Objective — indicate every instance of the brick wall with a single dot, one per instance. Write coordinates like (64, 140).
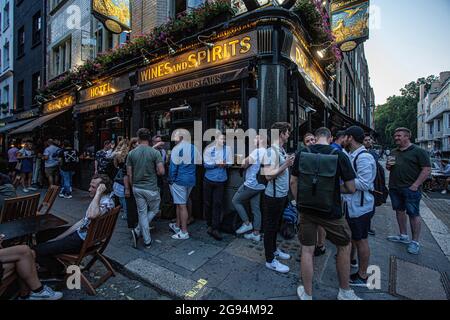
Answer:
(147, 14)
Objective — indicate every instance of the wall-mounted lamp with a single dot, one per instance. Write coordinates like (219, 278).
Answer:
(145, 55)
(171, 46)
(209, 45)
(310, 110)
(183, 107)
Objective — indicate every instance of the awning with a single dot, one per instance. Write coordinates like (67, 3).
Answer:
(13, 125)
(37, 123)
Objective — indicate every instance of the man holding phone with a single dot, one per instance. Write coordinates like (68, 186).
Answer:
(70, 239)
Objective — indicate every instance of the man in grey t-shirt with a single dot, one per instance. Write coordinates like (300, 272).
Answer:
(51, 162)
(143, 165)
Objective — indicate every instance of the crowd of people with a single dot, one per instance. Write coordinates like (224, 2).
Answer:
(335, 183)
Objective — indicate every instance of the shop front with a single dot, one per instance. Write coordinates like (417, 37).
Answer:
(247, 77)
(102, 113)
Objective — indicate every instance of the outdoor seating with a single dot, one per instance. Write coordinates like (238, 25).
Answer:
(19, 208)
(49, 200)
(98, 236)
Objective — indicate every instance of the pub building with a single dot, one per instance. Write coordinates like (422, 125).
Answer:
(101, 114)
(252, 71)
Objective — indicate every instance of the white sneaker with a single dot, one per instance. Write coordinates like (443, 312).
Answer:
(281, 255)
(61, 195)
(252, 236)
(245, 228)
(402, 238)
(46, 294)
(174, 228)
(32, 188)
(444, 192)
(347, 295)
(26, 190)
(277, 266)
(181, 236)
(301, 293)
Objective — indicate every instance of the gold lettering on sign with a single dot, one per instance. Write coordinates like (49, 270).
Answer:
(100, 90)
(220, 52)
(59, 104)
(306, 64)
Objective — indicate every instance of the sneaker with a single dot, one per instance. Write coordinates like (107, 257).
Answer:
(413, 247)
(319, 251)
(301, 293)
(400, 238)
(148, 245)
(252, 236)
(46, 294)
(354, 263)
(281, 255)
(61, 195)
(357, 281)
(174, 228)
(371, 232)
(347, 295)
(277, 266)
(444, 192)
(26, 190)
(32, 188)
(181, 236)
(244, 228)
(69, 196)
(134, 237)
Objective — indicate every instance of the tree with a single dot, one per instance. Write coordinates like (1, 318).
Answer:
(400, 111)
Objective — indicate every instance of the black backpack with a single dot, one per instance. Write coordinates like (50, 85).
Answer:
(316, 181)
(380, 192)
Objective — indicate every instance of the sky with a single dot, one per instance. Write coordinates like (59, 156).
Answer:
(409, 39)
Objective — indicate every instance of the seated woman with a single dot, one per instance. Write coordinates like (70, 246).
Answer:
(69, 240)
(20, 259)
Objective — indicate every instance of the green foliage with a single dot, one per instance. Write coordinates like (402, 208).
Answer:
(400, 111)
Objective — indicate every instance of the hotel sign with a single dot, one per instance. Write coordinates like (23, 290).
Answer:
(350, 23)
(306, 66)
(64, 102)
(236, 48)
(105, 88)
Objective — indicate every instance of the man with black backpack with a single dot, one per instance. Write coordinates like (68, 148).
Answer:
(359, 206)
(69, 161)
(315, 185)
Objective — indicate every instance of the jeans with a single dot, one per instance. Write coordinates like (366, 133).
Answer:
(212, 202)
(404, 199)
(147, 203)
(66, 177)
(46, 251)
(273, 212)
(119, 191)
(242, 196)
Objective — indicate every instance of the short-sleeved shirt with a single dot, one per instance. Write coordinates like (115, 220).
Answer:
(103, 159)
(106, 204)
(143, 161)
(12, 154)
(277, 156)
(408, 165)
(344, 172)
(52, 153)
(251, 180)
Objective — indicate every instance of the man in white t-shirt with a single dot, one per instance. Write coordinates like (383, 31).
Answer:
(250, 191)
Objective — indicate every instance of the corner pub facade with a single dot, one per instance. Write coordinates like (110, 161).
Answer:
(252, 71)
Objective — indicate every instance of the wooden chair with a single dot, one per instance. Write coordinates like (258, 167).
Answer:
(98, 236)
(49, 200)
(19, 208)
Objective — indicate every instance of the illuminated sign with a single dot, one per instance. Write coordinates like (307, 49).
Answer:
(114, 14)
(221, 52)
(59, 104)
(350, 23)
(105, 88)
(306, 66)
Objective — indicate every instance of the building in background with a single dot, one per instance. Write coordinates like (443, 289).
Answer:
(433, 116)
(6, 61)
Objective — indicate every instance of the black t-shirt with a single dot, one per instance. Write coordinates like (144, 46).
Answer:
(344, 172)
(69, 158)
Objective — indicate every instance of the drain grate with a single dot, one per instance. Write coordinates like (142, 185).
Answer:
(412, 281)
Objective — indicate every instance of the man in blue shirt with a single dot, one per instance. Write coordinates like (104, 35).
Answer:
(217, 157)
(338, 140)
(182, 180)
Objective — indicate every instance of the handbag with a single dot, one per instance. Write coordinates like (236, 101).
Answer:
(19, 165)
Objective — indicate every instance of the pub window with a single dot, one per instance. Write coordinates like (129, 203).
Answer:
(36, 84)
(6, 95)
(225, 115)
(20, 95)
(6, 16)
(37, 26)
(6, 55)
(21, 42)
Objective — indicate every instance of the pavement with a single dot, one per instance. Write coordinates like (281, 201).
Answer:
(202, 268)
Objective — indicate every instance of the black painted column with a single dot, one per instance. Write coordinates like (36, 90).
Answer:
(135, 117)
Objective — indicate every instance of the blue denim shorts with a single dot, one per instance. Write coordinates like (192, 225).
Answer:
(406, 200)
